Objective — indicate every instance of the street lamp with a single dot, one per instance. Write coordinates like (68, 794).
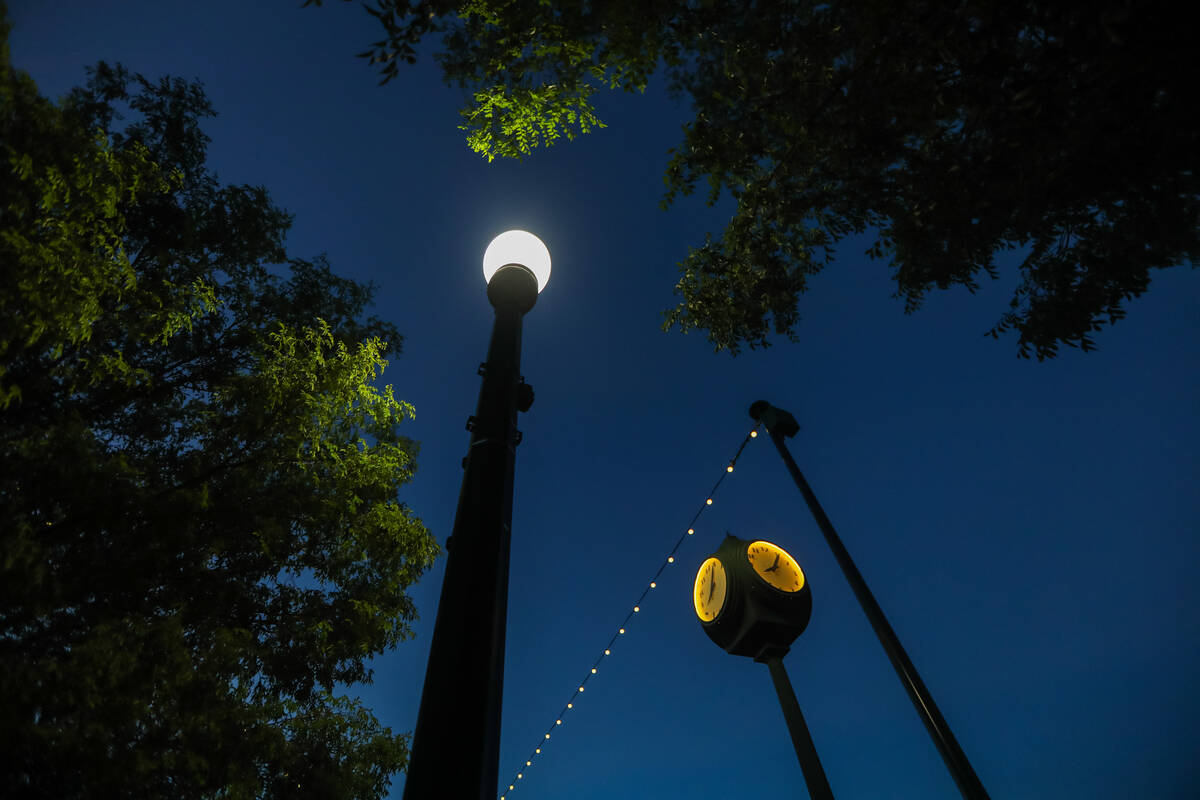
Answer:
(456, 744)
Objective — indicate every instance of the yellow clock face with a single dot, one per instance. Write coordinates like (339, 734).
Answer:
(709, 593)
(775, 566)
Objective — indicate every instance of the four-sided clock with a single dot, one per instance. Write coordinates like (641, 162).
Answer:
(752, 598)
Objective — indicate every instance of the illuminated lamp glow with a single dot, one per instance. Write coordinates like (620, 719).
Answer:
(518, 247)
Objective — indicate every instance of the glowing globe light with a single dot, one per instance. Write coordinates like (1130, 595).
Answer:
(517, 247)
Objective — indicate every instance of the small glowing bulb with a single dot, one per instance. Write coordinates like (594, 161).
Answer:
(547, 736)
(653, 584)
(670, 559)
(753, 434)
(607, 652)
(729, 468)
(580, 689)
(510, 787)
(519, 776)
(538, 750)
(570, 705)
(593, 670)
(622, 630)
(558, 722)
(708, 502)
(636, 609)
(529, 763)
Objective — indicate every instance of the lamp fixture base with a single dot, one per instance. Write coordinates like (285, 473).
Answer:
(513, 288)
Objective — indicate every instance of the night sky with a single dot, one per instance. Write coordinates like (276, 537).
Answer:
(1030, 529)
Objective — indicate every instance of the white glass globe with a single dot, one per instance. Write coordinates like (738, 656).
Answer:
(518, 247)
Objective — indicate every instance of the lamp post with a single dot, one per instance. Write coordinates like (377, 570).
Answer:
(456, 744)
(779, 424)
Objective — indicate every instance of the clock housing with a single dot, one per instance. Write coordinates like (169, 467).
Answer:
(760, 616)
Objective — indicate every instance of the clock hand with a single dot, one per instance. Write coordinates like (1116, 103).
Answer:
(774, 566)
(712, 585)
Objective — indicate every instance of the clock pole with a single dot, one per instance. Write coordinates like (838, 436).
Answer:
(752, 609)
(779, 424)
(456, 743)
(806, 751)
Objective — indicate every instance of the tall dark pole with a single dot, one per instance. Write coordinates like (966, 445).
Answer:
(456, 745)
(806, 751)
(779, 424)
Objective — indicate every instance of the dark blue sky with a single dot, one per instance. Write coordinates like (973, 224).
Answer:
(1031, 529)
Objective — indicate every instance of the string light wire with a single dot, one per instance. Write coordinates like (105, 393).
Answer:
(531, 760)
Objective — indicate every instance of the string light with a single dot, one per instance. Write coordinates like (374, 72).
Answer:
(691, 530)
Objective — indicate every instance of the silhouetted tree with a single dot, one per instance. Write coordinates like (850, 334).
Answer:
(950, 131)
(200, 530)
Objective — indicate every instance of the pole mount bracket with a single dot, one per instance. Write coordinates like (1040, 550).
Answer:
(778, 421)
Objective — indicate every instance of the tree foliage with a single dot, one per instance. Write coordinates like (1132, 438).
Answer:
(950, 132)
(201, 537)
